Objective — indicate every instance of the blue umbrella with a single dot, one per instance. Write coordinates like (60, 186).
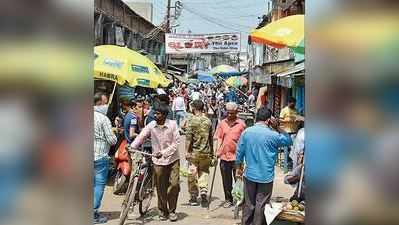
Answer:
(230, 74)
(205, 77)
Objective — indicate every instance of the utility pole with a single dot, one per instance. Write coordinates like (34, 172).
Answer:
(167, 31)
(168, 17)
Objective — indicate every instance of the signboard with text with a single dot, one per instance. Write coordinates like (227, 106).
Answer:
(202, 43)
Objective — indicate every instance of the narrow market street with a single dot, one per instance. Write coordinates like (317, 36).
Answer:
(195, 215)
(185, 90)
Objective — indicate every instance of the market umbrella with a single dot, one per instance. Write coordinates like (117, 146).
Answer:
(237, 81)
(205, 77)
(225, 71)
(193, 81)
(126, 66)
(286, 32)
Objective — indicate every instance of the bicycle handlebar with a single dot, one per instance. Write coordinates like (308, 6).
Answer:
(138, 151)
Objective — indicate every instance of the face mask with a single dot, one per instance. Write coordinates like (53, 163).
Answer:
(101, 109)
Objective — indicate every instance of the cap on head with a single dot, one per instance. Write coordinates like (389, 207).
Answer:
(231, 106)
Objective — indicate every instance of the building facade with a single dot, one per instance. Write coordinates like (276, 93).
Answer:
(143, 7)
(117, 24)
(269, 63)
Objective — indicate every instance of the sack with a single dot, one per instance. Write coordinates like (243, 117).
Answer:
(184, 168)
(238, 191)
(122, 154)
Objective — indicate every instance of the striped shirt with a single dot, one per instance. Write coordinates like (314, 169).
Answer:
(103, 135)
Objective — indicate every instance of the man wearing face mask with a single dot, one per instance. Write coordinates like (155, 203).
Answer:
(101, 103)
(258, 147)
(103, 139)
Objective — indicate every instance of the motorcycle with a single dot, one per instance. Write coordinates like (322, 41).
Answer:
(123, 169)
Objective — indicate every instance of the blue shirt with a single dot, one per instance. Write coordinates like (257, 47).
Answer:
(129, 121)
(258, 147)
(231, 96)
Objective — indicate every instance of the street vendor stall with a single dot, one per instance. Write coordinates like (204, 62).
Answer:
(282, 212)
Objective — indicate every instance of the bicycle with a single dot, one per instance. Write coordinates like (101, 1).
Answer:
(141, 182)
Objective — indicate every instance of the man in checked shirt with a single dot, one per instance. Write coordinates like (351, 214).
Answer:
(103, 139)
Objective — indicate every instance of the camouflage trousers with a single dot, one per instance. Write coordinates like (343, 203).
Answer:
(198, 175)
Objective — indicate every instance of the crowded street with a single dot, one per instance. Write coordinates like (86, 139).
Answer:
(199, 112)
(187, 214)
(199, 126)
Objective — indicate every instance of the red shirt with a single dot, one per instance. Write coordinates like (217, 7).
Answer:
(229, 137)
(184, 93)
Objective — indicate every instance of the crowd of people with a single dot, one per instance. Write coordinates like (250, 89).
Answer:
(207, 115)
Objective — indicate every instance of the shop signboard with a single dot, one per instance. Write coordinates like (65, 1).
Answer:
(203, 43)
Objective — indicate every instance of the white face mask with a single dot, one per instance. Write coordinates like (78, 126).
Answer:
(101, 109)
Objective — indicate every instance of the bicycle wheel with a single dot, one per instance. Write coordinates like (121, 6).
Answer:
(146, 192)
(128, 201)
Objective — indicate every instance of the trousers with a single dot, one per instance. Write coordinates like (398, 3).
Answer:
(256, 195)
(101, 167)
(167, 181)
(228, 172)
(179, 116)
(198, 179)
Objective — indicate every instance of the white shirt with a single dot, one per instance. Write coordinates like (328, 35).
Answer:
(160, 91)
(251, 99)
(299, 144)
(195, 95)
(220, 96)
(179, 104)
(103, 135)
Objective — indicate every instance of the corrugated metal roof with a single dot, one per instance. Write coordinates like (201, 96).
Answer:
(297, 68)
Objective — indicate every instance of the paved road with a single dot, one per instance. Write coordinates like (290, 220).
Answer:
(187, 214)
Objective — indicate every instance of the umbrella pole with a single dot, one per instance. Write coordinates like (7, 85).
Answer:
(112, 94)
(301, 178)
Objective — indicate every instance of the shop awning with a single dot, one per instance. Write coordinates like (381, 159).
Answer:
(296, 69)
(178, 75)
(182, 79)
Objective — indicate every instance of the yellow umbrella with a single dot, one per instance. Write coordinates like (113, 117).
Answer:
(124, 65)
(286, 32)
(236, 81)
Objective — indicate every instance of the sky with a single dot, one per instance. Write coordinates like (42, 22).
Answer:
(215, 16)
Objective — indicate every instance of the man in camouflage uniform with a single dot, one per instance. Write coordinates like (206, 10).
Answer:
(199, 152)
